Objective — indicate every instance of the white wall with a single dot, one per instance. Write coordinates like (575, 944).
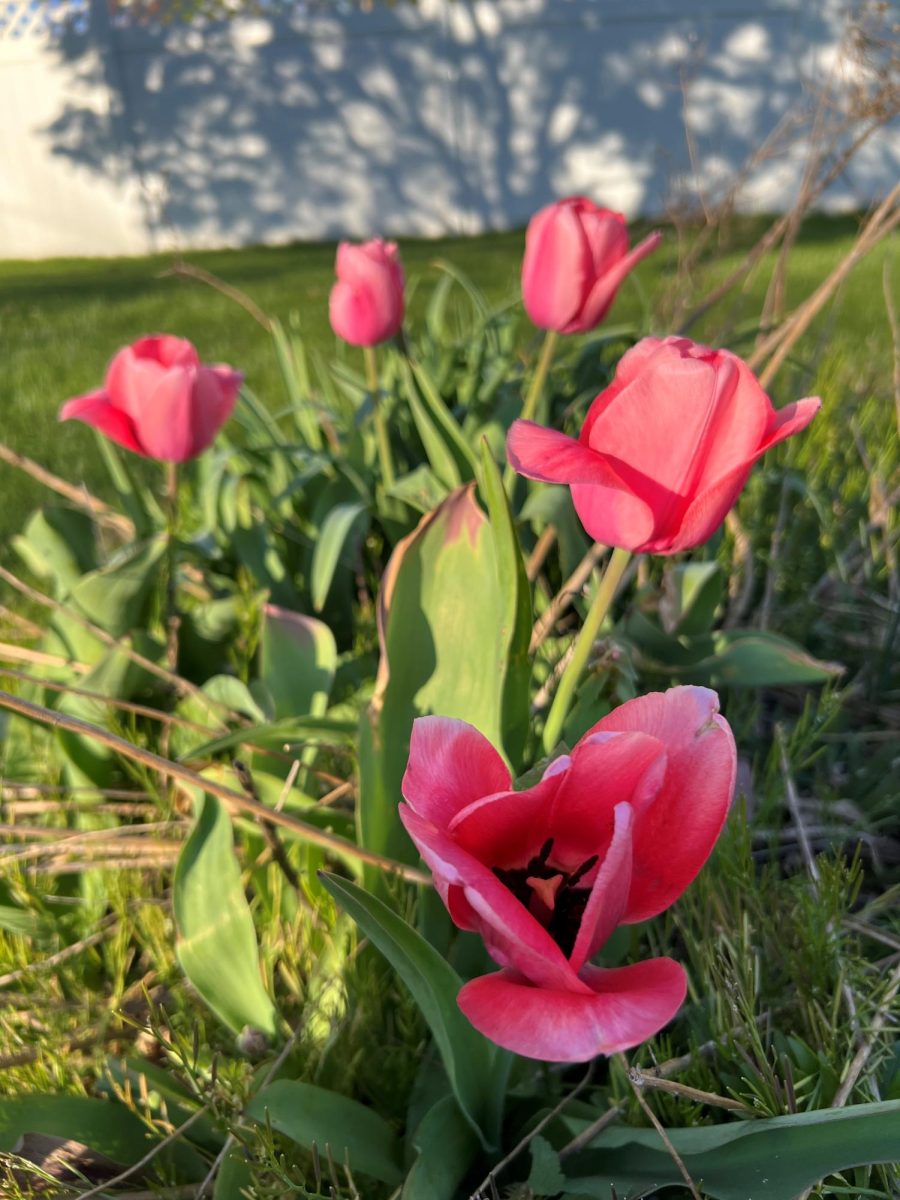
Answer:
(452, 116)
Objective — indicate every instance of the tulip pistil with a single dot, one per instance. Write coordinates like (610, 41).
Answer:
(551, 895)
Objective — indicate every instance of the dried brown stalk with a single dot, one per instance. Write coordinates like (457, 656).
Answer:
(566, 594)
(236, 801)
(181, 685)
(79, 496)
(655, 1122)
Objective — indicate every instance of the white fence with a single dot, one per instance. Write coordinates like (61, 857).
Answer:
(314, 121)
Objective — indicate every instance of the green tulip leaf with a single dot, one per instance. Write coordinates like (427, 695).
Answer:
(691, 594)
(312, 1116)
(445, 1146)
(58, 544)
(216, 943)
(104, 1125)
(447, 629)
(337, 540)
(751, 658)
(300, 730)
(775, 1159)
(468, 1058)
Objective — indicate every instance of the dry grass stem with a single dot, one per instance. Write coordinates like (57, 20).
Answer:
(79, 496)
(236, 801)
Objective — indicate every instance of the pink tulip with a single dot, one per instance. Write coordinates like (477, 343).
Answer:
(665, 449)
(576, 256)
(612, 834)
(366, 305)
(159, 400)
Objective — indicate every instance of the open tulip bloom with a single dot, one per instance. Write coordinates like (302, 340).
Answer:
(611, 835)
(159, 400)
(665, 449)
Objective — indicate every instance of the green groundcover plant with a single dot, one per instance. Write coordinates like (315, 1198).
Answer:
(476, 607)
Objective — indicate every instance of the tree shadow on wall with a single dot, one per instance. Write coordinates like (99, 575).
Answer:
(395, 121)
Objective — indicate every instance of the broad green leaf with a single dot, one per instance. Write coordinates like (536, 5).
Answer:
(420, 489)
(775, 1159)
(118, 677)
(234, 1180)
(445, 646)
(467, 458)
(468, 1058)
(104, 1125)
(23, 923)
(312, 1116)
(445, 1147)
(164, 1097)
(297, 661)
(760, 659)
(292, 362)
(691, 594)
(439, 455)
(234, 694)
(117, 596)
(136, 497)
(339, 537)
(292, 730)
(58, 544)
(216, 944)
(546, 1177)
(515, 595)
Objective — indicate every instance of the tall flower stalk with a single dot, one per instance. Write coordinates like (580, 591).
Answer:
(600, 606)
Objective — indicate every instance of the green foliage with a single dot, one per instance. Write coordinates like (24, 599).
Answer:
(426, 606)
(472, 1063)
(216, 939)
(772, 1159)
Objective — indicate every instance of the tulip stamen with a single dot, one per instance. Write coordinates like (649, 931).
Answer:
(551, 895)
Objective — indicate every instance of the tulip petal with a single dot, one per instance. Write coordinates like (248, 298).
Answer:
(609, 892)
(602, 294)
(609, 511)
(450, 766)
(166, 350)
(556, 267)
(355, 316)
(607, 235)
(625, 1006)
(131, 378)
(507, 828)
(790, 420)
(709, 509)
(704, 514)
(552, 457)
(166, 422)
(513, 937)
(674, 834)
(96, 410)
(606, 771)
(214, 397)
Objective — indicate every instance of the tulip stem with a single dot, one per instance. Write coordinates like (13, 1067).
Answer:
(536, 388)
(172, 619)
(381, 434)
(540, 375)
(600, 606)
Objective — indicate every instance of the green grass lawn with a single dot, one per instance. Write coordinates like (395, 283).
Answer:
(61, 320)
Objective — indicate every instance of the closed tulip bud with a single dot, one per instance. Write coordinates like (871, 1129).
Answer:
(665, 449)
(366, 304)
(576, 256)
(159, 400)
